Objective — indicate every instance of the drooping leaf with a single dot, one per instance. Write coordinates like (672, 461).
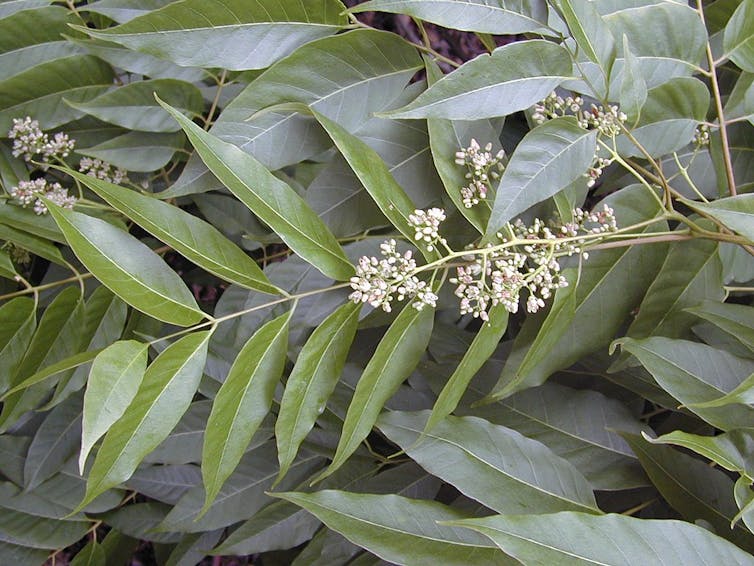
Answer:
(271, 199)
(738, 40)
(197, 240)
(39, 532)
(633, 87)
(17, 324)
(133, 106)
(91, 555)
(137, 151)
(735, 319)
(394, 359)
(9, 7)
(164, 395)
(570, 538)
(32, 243)
(128, 268)
(114, 379)
(165, 483)
(496, 17)
(468, 453)
(124, 10)
(65, 364)
(513, 78)
(230, 34)
(696, 373)
(737, 212)
(242, 402)
(693, 488)
(547, 160)
(312, 380)
(395, 527)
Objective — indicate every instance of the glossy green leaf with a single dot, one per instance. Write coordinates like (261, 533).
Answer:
(133, 106)
(17, 325)
(693, 488)
(242, 402)
(735, 319)
(493, 464)
(496, 17)
(373, 173)
(738, 40)
(8, 7)
(128, 268)
(592, 36)
(692, 273)
(313, 379)
(40, 91)
(271, 199)
(114, 379)
(696, 373)
(732, 450)
(393, 361)
(482, 347)
(570, 538)
(547, 160)
(32, 243)
(7, 269)
(54, 369)
(38, 532)
(513, 78)
(137, 151)
(395, 527)
(25, 219)
(365, 64)
(230, 34)
(164, 395)
(743, 393)
(165, 483)
(124, 10)
(633, 87)
(192, 237)
(737, 212)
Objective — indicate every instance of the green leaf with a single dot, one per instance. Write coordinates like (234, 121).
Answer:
(164, 395)
(548, 159)
(591, 33)
(696, 373)
(577, 425)
(7, 269)
(743, 393)
(40, 91)
(124, 10)
(393, 361)
(577, 538)
(732, 450)
(469, 454)
(513, 78)
(313, 379)
(395, 527)
(696, 490)
(133, 106)
(496, 17)
(736, 212)
(32, 243)
(38, 532)
(9, 7)
(17, 325)
(91, 555)
(271, 199)
(692, 272)
(230, 34)
(128, 268)
(53, 369)
(738, 40)
(373, 173)
(114, 379)
(633, 87)
(735, 319)
(192, 237)
(137, 151)
(242, 402)
(482, 347)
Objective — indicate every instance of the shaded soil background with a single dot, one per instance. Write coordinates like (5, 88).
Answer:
(456, 45)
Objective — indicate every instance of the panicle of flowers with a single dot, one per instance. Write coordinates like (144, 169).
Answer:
(103, 170)
(381, 281)
(426, 226)
(498, 274)
(597, 167)
(701, 136)
(607, 120)
(29, 192)
(18, 255)
(29, 140)
(555, 105)
(482, 168)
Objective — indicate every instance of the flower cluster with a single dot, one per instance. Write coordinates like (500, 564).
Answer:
(29, 140)
(607, 120)
(701, 136)
(498, 274)
(595, 170)
(103, 170)
(18, 255)
(426, 225)
(28, 192)
(381, 281)
(482, 167)
(554, 106)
